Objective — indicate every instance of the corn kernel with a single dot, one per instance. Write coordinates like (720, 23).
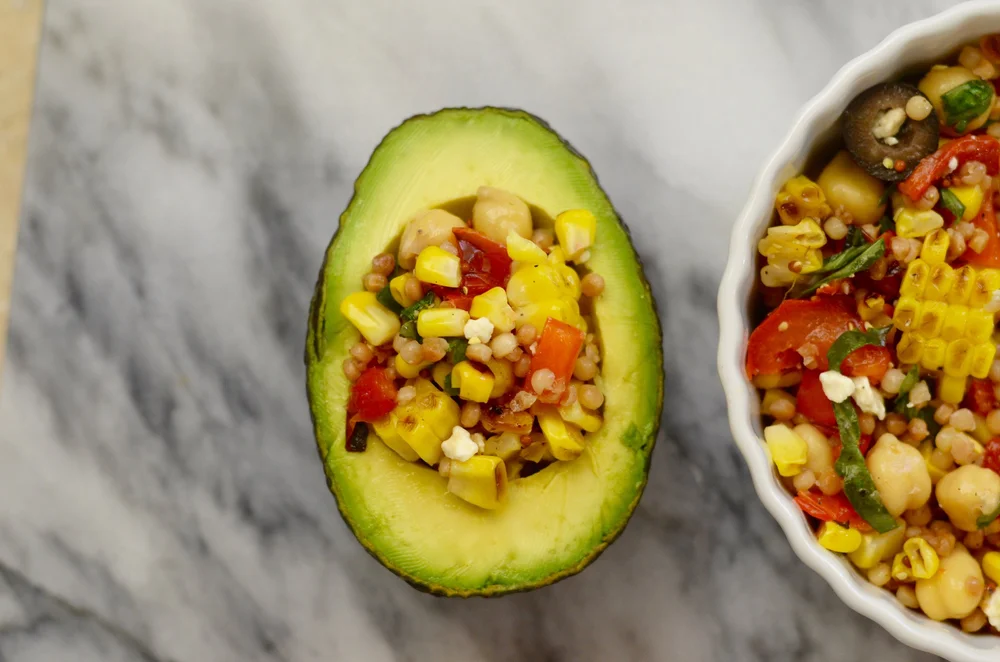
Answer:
(991, 566)
(982, 359)
(915, 280)
(397, 288)
(788, 450)
(503, 376)
(571, 281)
(924, 561)
(926, 448)
(979, 327)
(481, 480)
(958, 358)
(935, 248)
(582, 418)
(913, 223)
(933, 355)
(971, 197)
(385, 428)
(951, 389)
(954, 322)
(493, 305)
(438, 410)
(416, 432)
(534, 284)
(987, 281)
(900, 571)
(439, 267)
(564, 439)
(407, 371)
(442, 322)
(794, 239)
(524, 250)
(801, 198)
(439, 372)
(376, 323)
(965, 282)
(472, 384)
(576, 230)
(910, 348)
(939, 282)
(837, 538)
(564, 310)
(907, 311)
(877, 547)
(931, 318)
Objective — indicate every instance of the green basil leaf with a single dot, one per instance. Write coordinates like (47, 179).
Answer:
(841, 259)
(859, 488)
(966, 102)
(409, 330)
(903, 399)
(448, 388)
(886, 224)
(951, 202)
(456, 349)
(852, 340)
(986, 519)
(863, 259)
(855, 237)
(384, 297)
(409, 314)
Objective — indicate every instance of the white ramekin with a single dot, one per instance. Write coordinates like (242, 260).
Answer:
(918, 44)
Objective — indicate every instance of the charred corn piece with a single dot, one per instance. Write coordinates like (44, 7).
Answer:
(931, 318)
(987, 282)
(801, 198)
(481, 480)
(971, 197)
(788, 450)
(954, 322)
(582, 418)
(438, 267)
(576, 230)
(417, 433)
(926, 448)
(376, 323)
(965, 282)
(438, 410)
(524, 250)
(564, 439)
(951, 389)
(442, 322)
(910, 348)
(564, 310)
(493, 305)
(958, 358)
(876, 547)
(932, 357)
(935, 248)
(914, 223)
(837, 538)
(924, 561)
(916, 277)
(397, 288)
(385, 428)
(472, 384)
(906, 314)
(503, 377)
(901, 572)
(982, 359)
(505, 445)
(407, 371)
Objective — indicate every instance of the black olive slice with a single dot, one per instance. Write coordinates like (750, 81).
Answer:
(911, 143)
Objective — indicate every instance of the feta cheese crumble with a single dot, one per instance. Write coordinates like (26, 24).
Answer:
(836, 387)
(867, 398)
(480, 330)
(459, 446)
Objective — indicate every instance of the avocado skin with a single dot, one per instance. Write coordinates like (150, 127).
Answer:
(314, 350)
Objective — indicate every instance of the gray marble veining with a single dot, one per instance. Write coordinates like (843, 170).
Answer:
(160, 495)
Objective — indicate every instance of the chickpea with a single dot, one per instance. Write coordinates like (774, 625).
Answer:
(819, 456)
(900, 474)
(955, 589)
(939, 81)
(967, 493)
(847, 185)
(432, 227)
(497, 212)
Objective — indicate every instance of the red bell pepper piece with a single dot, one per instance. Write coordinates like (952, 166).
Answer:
(986, 220)
(981, 148)
(372, 396)
(991, 458)
(811, 402)
(557, 350)
(771, 349)
(834, 508)
(980, 397)
(869, 361)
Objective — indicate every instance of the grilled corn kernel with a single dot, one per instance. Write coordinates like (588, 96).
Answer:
(792, 240)
(439, 372)
(982, 359)
(933, 354)
(564, 439)
(871, 308)
(965, 282)
(924, 560)
(503, 376)
(481, 480)
(931, 318)
(442, 322)
(951, 389)
(979, 327)
(506, 446)
(557, 256)
(397, 288)
(910, 348)
(582, 418)
(524, 250)
(493, 305)
(877, 547)
(971, 197)
(376, 323)
(958, 358)
(472, 384)
(837, 538)
(935, 248)
(439, 267)
(571, 281)
(800, 198)
(915, 280)
(907, 311)
(954, 322)
(435, 408)
(771, 276)
(912, 223)
(419, 435)
(940, 282)
(991, 566)
(385, 428)
(407, 371)
(926, 448)
(788, 450)
(576, 230)
(900, 571)
(987, 281)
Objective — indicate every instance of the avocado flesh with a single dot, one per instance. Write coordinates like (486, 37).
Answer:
(558, 520)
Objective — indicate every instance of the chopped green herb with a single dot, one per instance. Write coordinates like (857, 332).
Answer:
(410, 313)
(384, 297)
(409, 330)
(887, 194)
(903, 398)
(951, 202)
(847, 263)
(456, 349)
(848, 341)
(855, 237)
(886, 224)
(858, 484)
(986, 519)
(966, 102)
(448, 388)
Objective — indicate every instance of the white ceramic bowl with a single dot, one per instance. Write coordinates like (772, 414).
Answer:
(917, 44)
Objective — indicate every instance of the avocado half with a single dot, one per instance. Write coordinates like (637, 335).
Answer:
(558, 520)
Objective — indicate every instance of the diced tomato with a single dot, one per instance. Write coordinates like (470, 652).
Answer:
(986, 220)
(811, 402)
(980, 397)
(771, 349)
(485, 263)
(453, 295)
(864, 443)
(372, 396)
(557, 349)
(981, 148)
(991, 458)
(869, 361)
(834, 508)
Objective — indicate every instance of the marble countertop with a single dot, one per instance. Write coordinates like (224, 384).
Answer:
(160, 495)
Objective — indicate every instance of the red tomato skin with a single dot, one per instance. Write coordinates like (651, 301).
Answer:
(868, 361)
(834, 508)
(986, 220)
(981, 148)
(980, 397)
(485, 263)
(811, 402)
(991, 459)
(372, 396)
(819, 321)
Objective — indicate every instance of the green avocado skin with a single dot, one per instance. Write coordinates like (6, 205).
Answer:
(640, 439)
